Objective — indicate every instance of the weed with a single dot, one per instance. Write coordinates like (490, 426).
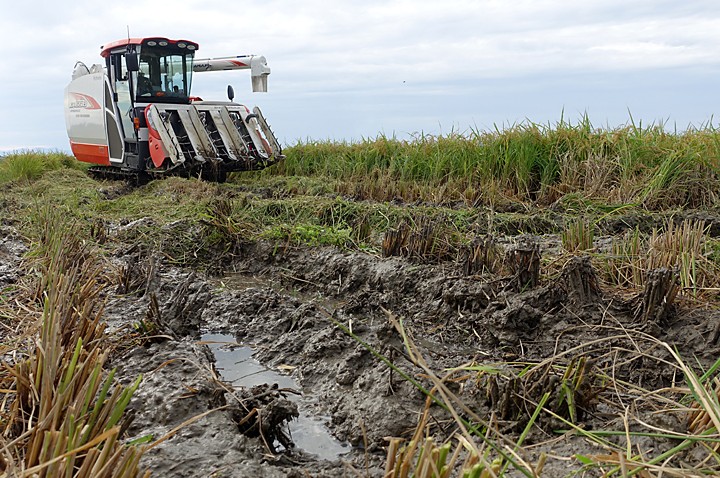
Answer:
(309, 234)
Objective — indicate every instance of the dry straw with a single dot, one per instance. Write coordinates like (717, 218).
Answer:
(679, 246)
(62, 412)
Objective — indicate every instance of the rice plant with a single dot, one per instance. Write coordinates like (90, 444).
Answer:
(690, 453)
(62, 412)
(487, 459)
(625, 263)
(578, 236)
(680, 246)
(531, 162)
(683, 247)
(423, 457)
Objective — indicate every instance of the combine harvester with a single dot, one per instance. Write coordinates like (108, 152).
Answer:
(134, 116)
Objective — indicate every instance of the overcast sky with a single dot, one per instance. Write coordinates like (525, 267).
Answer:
(349, 70)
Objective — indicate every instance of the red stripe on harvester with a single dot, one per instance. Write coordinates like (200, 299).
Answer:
(91, 153)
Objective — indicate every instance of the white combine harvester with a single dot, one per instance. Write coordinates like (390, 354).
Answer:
(135, 117)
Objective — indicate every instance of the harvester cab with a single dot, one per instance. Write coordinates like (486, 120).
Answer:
(135, 116)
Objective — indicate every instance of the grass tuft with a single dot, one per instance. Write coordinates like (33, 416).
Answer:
(679, 246)
(578, 236)
(31, 165)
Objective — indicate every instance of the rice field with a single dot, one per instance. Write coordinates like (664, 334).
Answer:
(629, 201)
(633, 164)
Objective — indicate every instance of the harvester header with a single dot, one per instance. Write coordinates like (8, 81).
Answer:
(135, 115)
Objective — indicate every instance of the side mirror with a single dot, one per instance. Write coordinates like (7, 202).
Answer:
(231, 93)
(131, 60)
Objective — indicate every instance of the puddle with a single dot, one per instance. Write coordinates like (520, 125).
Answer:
(236, 365)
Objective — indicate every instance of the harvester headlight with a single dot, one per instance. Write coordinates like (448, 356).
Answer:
(182, 45)
(152, 43)
(162, 43)
(191, 47)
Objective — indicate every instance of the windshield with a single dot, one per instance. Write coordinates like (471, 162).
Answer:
(164, 72)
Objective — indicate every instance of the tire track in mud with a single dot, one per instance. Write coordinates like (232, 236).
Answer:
(281, 305)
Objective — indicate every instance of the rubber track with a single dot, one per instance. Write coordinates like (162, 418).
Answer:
(113, 173)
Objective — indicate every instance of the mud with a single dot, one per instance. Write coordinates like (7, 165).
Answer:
(237, 366)
(286, 304)
(12, 248)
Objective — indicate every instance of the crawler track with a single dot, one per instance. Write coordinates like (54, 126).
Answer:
(113, 173)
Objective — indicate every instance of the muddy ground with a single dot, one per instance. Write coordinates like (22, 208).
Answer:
(286, 303)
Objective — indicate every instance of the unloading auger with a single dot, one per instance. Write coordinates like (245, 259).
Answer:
(135, 116)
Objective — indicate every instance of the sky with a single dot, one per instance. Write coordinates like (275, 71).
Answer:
(349, 70)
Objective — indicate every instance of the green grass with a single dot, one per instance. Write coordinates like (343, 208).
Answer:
(31, 165)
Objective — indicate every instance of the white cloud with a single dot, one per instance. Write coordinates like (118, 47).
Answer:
(323, 54)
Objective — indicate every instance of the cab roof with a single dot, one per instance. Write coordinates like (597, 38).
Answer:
(105, 49)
